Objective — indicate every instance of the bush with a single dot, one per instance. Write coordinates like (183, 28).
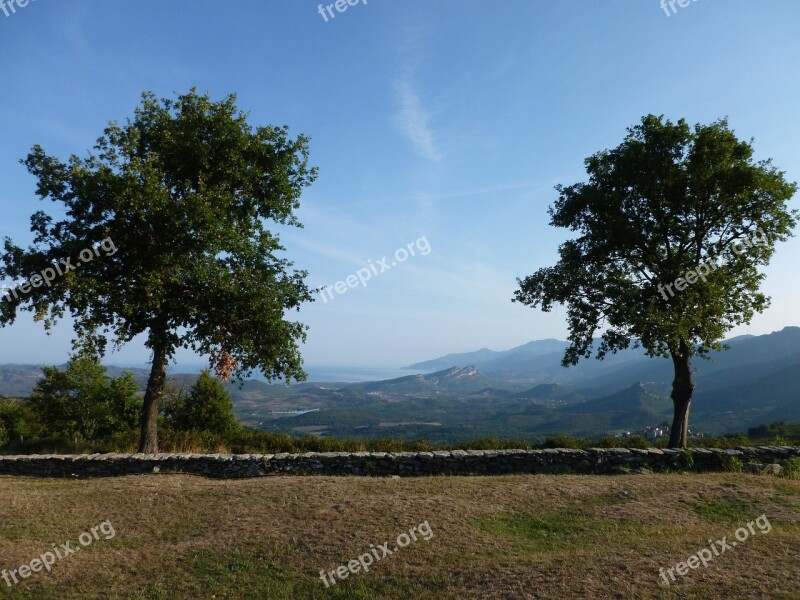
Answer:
(792, 468)
(609, 441)
(16, 421)
(781, 441)
(207, 407)
(687, 458)
(81, 403)
(725, 442)
(732, 464)
(636, 441)
(565, 441)
(493, 443)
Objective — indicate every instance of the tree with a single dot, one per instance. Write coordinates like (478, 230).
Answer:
(16, 421)
(670, 204)
(207, 407)
(182, 193)
(82, 402)
(5, 413)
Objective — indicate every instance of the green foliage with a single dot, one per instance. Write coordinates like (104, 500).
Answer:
(207, 407)
(776, 432)
(493, 443)
(181, 195)
(182, 190)
(665, 201)
(732, 464)
(11, 421)
(83, 403)
(564, 441)
(792, 468)
(634, 441)
(725, 442)
(669, 201)
(609, 441)
(734, 440)
(687, 458)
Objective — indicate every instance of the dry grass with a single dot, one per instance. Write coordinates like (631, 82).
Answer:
(499, 537)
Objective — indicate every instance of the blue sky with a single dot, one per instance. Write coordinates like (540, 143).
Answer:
(448, 119)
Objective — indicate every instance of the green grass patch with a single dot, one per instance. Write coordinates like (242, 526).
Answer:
(569, 530)
(725, 510)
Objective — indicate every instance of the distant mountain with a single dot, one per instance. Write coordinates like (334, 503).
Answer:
(551, 393)
(633, 408)
(747, 358)
(766, 398)
(454, 380)
(521, 393)
(18, 380)
(540, 362)
(534, 362)
(484, 356)
(640, 398)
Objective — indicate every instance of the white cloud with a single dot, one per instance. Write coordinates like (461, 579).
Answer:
(413, 122)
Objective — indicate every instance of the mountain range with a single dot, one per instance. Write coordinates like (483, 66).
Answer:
(521, 393)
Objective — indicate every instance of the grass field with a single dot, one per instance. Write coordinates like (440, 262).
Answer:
(492, 537)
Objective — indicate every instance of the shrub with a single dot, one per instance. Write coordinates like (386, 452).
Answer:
(565, 441)
(609, 441)
(82, 403)
(16, 422)
(792, 468)
(731, 463)
(493, 443)
(726, 442)
(207, 407)
(636, 441)
(779, 440)
(10, 419)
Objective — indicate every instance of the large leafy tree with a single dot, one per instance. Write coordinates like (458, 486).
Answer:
(183, 191)
(16, 421)
(207, 407)
(670, 200)
(83, 402)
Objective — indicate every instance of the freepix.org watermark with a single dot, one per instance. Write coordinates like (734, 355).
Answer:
(339, 5)
(49, 275)
(702, 270)
(668, 5)
(376, 268)
(366, 560)
(715, 549)
(48, 559)
(9, 7)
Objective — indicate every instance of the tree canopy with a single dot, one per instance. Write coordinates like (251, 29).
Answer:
(82, 402)
(207, 407)
(669, 201)
(183, 191)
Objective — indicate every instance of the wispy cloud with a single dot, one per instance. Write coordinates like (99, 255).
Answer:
(413, 122)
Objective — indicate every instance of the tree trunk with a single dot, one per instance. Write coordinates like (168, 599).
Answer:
(682, 389)
(148, 442)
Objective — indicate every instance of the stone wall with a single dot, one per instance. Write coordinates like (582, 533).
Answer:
(456, 462)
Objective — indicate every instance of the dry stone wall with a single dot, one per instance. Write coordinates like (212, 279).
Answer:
(456, 462)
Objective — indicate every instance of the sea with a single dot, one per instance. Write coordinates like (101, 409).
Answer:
(320, 373)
